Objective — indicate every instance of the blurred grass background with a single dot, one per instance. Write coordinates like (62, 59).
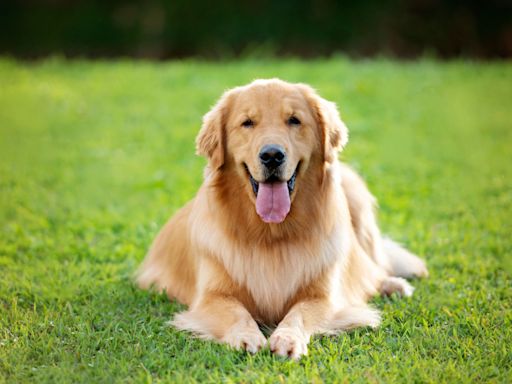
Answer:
(95, 156)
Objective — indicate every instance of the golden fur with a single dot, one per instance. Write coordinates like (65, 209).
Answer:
(313, 272)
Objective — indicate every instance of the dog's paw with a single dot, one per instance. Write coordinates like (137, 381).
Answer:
(290, 342)
(245, 337)
(416, 267)
(396, 285)
(420, 269)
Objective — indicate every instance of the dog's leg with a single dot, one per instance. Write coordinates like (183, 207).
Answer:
(351, 318)
(223, 319)
(396, 285)
(218, 313)
(404, 263)
(292, 335)
(306, 318)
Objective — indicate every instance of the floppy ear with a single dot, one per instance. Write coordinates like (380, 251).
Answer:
(334, 133)
(210, 139)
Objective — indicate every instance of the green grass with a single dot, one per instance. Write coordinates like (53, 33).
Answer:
(95, 156)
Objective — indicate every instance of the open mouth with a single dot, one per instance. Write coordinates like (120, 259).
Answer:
(272, 179)
(273, 202)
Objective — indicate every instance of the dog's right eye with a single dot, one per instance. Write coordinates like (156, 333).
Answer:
(248, 123)
(293, 121)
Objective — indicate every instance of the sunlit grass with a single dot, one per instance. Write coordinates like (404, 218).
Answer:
(94, 157)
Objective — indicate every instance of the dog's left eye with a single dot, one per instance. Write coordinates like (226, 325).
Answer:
(293, 121)
(248, 123)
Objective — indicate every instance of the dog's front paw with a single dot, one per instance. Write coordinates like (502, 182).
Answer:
(289, 341)
(247, 337)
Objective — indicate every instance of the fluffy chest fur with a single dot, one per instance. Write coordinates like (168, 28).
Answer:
(271, 274)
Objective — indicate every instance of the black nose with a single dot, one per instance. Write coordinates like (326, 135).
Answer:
(272, 156)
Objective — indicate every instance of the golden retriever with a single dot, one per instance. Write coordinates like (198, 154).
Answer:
(280, 233)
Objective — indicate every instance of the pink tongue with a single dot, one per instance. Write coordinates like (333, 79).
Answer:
(273, 202)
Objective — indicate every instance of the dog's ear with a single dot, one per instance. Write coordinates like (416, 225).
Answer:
(211, 137)
(334, 133)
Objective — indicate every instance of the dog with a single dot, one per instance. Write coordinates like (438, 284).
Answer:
(280, 233)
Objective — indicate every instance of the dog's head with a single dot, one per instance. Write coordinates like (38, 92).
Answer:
(270, 133)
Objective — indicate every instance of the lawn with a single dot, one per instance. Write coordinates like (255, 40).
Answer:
(95, 156)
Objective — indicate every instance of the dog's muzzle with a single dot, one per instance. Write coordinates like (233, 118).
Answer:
(272, 156)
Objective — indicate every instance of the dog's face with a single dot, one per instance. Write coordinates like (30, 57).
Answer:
(269, 133)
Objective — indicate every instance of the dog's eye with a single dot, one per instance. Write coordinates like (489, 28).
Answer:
(248, 123)
(293, 121)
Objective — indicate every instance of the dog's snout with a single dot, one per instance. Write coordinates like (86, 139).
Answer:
(272, 155)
